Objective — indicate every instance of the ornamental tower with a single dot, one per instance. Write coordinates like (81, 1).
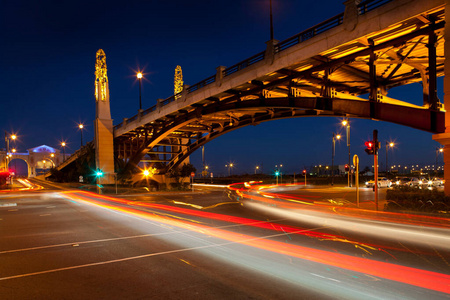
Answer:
(104, 145)
(178, 82)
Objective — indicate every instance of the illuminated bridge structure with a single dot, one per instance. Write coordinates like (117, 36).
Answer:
(326, 70)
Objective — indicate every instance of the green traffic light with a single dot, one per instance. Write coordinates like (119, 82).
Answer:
(99, 173)
(277, 173)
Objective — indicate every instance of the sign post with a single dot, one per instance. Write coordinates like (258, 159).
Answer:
(192, 180)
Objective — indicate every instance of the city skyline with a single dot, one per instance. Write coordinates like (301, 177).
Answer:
(48, 79)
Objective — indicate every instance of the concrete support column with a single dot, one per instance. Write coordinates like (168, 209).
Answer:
(270, 51)
(219, 75)
(351, 14)
(444, 138)
(185, 92)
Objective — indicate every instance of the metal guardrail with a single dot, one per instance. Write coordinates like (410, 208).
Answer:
(363, 8)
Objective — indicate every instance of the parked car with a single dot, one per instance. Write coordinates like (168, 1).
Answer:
(436, 181)
(423, 181)
(382, 182)
(408, 181)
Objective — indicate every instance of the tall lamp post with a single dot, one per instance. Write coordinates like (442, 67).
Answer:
(81, 126)
(346, 124)
(388, 144)
(63, 145)
(438, 150)
(139, 76)
(335, 137)
(229, 166)
(8, 137)
(256, 169)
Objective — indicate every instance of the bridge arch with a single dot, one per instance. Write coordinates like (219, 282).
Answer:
(12, 165)
(203, 124)
(321, 71)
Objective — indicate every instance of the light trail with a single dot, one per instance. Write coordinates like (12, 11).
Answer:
(412, 276)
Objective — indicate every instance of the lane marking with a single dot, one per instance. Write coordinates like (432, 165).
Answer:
(77, 244)
(8, 204)
(138, 257)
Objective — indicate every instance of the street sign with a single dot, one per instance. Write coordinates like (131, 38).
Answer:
(80, 179)
(192, 174)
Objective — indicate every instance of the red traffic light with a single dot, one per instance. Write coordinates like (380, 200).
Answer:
(304, 172)
(370, 147)
(347, 168)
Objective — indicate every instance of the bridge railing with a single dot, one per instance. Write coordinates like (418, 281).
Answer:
(368, 5)
(310, 33)
(244, 64)
(363, 7)
(201, 84)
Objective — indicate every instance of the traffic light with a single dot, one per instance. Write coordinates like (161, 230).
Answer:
(370, 147)
(304, 172)
(347, 168)
(277, 173)
(99, 173)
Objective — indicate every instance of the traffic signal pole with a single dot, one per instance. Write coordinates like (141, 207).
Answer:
(375, 166)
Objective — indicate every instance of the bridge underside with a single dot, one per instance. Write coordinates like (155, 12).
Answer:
(330, 83)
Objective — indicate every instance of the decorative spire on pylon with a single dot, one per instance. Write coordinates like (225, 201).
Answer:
(101, 78)
(178, 81)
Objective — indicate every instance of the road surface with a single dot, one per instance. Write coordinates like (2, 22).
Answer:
(58, 244)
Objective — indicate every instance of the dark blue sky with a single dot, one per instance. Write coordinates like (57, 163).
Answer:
(47, 56)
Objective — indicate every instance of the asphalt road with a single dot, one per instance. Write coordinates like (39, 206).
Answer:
(58, 244)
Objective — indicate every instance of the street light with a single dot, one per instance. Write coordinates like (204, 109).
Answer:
(335, 137)
(229, 166)
(391, 145)
(346, 124)
(81, 126)
(256, 169)
(63, 144)
(8, 137)
(438, 150)
(139, 76)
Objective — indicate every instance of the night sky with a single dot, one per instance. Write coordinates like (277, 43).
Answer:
(47, 57)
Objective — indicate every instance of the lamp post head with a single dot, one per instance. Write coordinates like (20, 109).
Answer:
(139, 75)
(338, 136)
(81, 126)
(63, 144)
(344, 122)
(13, 136)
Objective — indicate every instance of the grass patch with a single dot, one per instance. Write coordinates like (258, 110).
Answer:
(404, 198)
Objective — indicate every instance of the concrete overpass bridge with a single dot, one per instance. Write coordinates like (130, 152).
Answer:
(323, 71)
(342, 67)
